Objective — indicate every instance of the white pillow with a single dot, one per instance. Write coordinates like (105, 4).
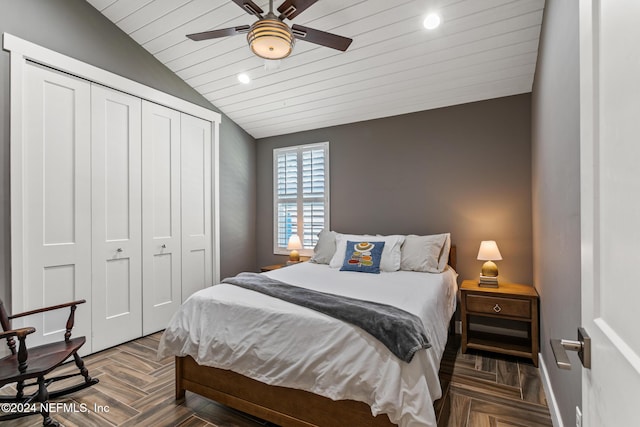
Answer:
(391, 254)
(426, 253)
(444, 255)
(325, 248)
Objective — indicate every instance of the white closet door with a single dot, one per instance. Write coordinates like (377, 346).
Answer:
(116, 208)
(161, 253)
(197, 258)
(56, 207)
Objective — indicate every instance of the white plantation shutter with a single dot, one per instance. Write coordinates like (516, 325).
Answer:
(301, 194)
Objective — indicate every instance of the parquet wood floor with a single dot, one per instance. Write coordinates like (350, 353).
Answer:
(478, 390)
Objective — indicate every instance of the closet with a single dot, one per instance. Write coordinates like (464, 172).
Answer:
(115, 205)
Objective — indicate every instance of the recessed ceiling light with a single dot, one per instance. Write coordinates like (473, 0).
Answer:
(244, 78)
(432, 21)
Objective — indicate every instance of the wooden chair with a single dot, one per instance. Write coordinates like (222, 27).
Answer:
(35, 363)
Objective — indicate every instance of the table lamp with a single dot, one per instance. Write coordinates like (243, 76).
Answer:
(489, 252)
(293, 245)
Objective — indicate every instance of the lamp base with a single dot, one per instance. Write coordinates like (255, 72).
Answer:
(294, 256)
(489, 269)
(488, 281)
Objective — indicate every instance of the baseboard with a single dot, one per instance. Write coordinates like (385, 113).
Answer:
(551, 397)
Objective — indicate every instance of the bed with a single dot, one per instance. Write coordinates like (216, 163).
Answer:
(297, 367)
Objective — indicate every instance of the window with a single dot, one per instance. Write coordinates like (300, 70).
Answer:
(300, 195)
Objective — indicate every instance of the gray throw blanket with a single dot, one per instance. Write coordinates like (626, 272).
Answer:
(400, 331)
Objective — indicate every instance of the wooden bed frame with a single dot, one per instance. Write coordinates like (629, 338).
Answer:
(284, 406)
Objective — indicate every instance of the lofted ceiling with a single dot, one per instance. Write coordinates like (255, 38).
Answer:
(483, 49)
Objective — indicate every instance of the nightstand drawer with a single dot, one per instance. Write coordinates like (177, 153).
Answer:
(498, 305)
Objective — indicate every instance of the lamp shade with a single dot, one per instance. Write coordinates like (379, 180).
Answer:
(489, 251)
(294, 242)
(270, 38)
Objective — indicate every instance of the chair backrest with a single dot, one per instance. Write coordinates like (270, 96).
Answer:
(6, 326)
(4, 318)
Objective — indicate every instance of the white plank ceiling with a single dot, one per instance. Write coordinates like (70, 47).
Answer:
(483, 49)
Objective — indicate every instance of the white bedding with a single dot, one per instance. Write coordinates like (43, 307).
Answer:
(279, 343)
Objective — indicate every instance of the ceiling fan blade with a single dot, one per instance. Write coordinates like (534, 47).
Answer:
(333, 41)
(250, 7)
(214, 34)
(292, 8)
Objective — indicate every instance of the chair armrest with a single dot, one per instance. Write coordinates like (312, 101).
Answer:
(23, 354)
(42, 310)
(20, 333)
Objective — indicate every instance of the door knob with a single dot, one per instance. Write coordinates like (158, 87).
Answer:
(163, 246)
(119, 250)
(582, 345)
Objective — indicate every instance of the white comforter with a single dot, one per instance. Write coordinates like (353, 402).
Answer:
(279, 343)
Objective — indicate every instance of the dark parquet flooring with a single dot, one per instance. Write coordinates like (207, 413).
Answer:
(135, 389)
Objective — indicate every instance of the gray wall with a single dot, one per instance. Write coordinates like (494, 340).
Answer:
(75, 28)
(464, 169)
(556, 192)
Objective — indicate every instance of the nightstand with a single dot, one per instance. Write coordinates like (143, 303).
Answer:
(277, 266)
(509, 307)
(271, 267)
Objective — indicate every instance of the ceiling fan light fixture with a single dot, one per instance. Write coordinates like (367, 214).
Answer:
(270, 39)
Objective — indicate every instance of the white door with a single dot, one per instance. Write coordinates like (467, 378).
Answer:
(116, 227)
(56, 205)
(197, 258)
(610, 209)
(161, 237)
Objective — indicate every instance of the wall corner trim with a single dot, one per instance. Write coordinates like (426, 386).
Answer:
(551, 397)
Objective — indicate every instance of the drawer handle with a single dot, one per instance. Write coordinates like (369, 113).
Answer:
(497, 308)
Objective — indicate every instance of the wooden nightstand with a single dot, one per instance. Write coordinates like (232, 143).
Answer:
(511, 306)
(277, 266)
(271, 267)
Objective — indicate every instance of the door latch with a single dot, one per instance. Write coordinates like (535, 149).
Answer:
(582, 346)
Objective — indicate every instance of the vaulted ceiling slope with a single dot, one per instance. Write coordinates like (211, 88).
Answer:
(483, 49)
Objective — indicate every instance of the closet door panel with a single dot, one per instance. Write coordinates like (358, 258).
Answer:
(161, 246)
(116, 214)
(56, 203)
(196, 205)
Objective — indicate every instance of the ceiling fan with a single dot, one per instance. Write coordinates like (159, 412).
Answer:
(269, 37)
